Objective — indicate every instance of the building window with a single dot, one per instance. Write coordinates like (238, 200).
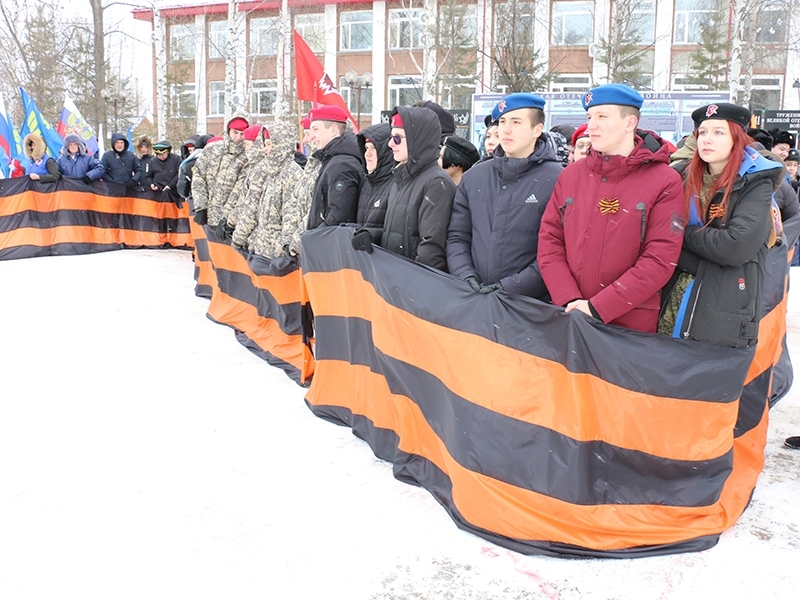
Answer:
(350, 96)
(572, 23)
(183, 100)
(263, 95)
(643, 21)
(217, 39)
(405, 29)
(356, 30)
(216, 98)
(181, 42)
(264, 36)
(404, 91)
(691, 18)
(457, 93)
(312, 28)
(772, 25)
(571, 82)
(458, 25)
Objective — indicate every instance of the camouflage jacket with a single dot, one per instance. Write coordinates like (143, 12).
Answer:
(264, 219)
(254, 156)
(301, 200)
(214, 176)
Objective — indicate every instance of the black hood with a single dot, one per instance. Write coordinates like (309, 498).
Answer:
(119, 136)
(379, 136)
(423, 136)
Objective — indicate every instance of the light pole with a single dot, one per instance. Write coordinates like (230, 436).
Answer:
(358, 82)
(796, 85)
(114, 97)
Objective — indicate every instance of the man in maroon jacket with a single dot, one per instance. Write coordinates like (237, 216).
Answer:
(612, 232)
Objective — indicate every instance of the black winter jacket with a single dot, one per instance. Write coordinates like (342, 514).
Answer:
(123, 166)
(420, 203)
(494, 228)
(336, 191)
(727, 257)
(787, 200)
(374, 195)
(163, 173)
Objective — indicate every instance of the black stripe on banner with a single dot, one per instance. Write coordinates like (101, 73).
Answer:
(752, 403)
(646, 363)
(91, 218)
(240, 287)
(292, 372)
(70, 249)
(782, 375)
(416, 470)
(522, 454)
(201, 246)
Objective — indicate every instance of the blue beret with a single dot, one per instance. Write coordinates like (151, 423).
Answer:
(517, 101)
(612, 93)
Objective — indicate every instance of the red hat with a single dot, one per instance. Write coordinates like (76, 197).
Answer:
(305, 123)
(238, 123)
(216, 138)
(579, 133)
(265, 133)
(328, 113)
(397, 120)
(251, 133)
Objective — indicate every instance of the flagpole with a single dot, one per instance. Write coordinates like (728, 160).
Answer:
(300, 120)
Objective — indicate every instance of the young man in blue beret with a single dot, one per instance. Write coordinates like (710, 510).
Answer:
(611, 236)
(492, 239)
(335, 196)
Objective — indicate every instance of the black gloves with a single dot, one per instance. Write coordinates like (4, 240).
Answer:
(223, 230)
(87, 179)
(362, 240)
(488, 288)
(287, 252)
(131, 184)
(474, 283)
(201, 216)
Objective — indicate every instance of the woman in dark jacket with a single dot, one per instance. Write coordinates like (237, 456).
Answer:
(715, 294)
(379, 160)
(41, 166)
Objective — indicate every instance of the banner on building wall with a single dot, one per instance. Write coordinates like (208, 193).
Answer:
(669, 113)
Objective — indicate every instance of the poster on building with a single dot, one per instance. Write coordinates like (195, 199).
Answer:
(669, 113)
(785, 120)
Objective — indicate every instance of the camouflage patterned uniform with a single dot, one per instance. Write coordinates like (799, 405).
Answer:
(301, 200)
(214, 176)
(245, 182)
(266, 220)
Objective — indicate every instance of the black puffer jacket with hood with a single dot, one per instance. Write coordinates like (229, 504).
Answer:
(336, 191)
(122, 167)
(374, 195)
(422, 197)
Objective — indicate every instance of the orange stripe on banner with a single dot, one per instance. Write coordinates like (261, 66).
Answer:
(267, 333)
(31, 236)
(503, 508)
(205, 270)
(513, 383)
(771, 330)
(285, 290)
(64, 200)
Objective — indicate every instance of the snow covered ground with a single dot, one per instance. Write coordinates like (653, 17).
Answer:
(144, 453)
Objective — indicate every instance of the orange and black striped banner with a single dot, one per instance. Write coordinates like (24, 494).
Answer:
(262, 300)
(540, 431)
(71, 217)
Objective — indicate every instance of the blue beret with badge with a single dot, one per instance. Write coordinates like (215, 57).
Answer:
(612, 93)
(515, 102)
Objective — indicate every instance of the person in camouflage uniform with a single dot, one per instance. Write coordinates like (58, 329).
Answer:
(267, 221)
(256, 138)
(216, 172)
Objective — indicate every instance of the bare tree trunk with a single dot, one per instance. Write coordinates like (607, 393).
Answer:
(99, 64)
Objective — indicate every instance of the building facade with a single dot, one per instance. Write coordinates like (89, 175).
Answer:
(212, 59)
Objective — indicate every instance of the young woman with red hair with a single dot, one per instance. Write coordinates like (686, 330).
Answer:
(715, 294)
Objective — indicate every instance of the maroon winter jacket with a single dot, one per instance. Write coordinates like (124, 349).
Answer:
(612, 233)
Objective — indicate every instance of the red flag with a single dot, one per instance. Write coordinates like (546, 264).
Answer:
(313, 83)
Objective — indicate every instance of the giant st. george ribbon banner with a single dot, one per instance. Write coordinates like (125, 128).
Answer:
(263, 301)
(541, 431)
(71, 217)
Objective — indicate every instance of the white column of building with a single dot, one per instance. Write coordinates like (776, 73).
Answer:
(200, 83)
(160, 41)
(602, 10)
(378, 59)
(429, 24)
(331, 27)
(240, 59)
(284, 61)
(791, 94)
(483, 72)
(541, 30)
(662, 62)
